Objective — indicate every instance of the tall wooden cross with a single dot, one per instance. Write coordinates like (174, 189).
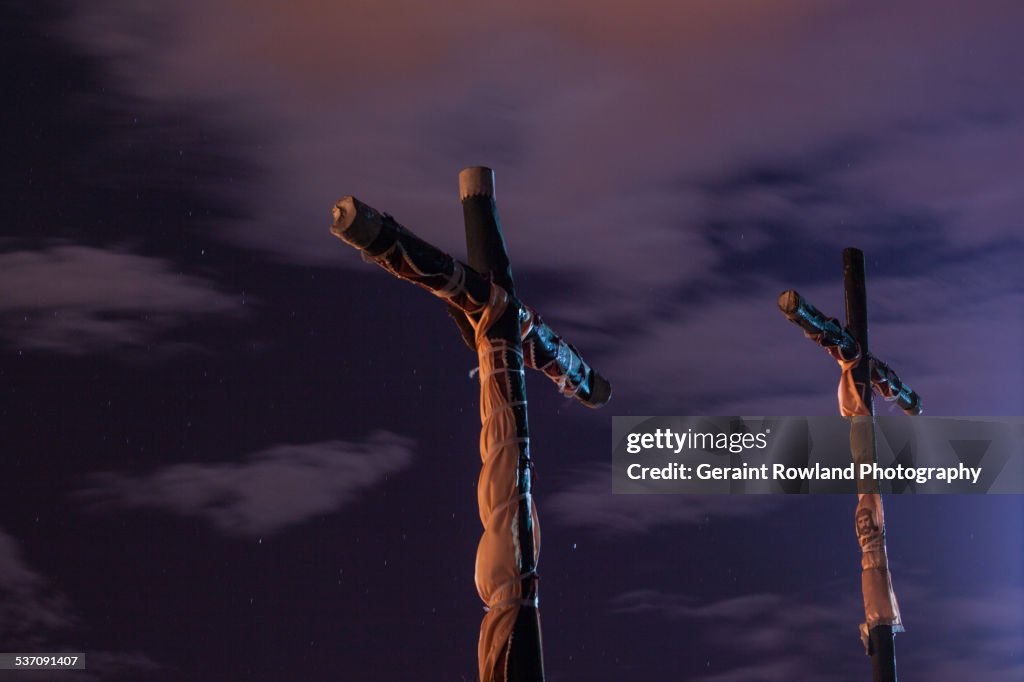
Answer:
(508, 336)
(861, 372)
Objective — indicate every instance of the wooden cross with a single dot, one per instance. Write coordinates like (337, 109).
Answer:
(508, 336)
(862, 372)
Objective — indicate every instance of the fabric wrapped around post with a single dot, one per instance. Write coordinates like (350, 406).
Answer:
(500, 580)
(880, 605)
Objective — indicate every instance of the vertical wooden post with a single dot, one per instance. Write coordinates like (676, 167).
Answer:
(883, 652)
(855, 291)
(485, 246)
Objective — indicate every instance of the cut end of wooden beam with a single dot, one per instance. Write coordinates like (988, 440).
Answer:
(476, 181)
(355, 223)
(344, 213)
(789, 301)
(600, 391)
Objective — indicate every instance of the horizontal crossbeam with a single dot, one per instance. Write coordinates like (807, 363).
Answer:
(828, 333)
(384, 241)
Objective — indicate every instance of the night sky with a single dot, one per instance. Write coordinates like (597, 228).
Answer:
(232, 450)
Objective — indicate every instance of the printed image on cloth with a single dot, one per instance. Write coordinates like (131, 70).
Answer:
(880, 606)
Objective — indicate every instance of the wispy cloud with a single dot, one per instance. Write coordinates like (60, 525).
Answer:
(29, 605)
(814, 636)
(588, 502)
(78, 299)
(36, 616)
(266, 491)
(683, 152)
(974, 634)
(939, 328)
(606, 123)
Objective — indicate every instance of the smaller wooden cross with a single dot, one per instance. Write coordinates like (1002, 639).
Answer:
(862, 372)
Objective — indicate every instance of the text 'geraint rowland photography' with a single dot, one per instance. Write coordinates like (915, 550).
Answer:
(701, 455)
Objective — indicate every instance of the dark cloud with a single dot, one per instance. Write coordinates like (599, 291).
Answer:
(266, 492)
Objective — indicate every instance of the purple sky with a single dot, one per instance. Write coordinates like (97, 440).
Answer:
(237, 451)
